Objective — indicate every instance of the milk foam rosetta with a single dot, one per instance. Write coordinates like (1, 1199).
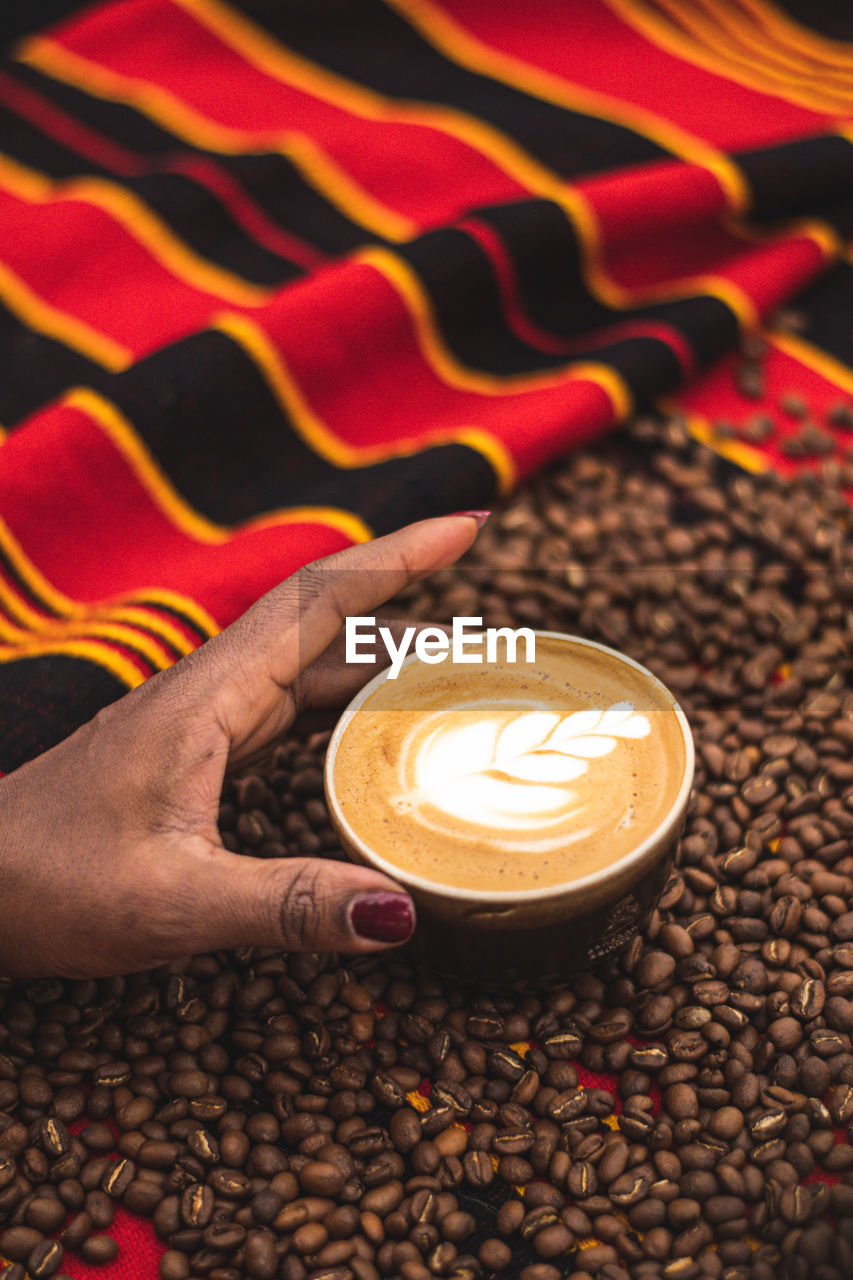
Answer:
(511, 776)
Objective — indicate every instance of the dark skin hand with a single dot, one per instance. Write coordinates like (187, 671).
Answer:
(110, 857)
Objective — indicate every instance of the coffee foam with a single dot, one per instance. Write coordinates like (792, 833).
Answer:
(511, 776)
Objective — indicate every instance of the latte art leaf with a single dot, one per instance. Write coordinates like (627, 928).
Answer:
(495, 773)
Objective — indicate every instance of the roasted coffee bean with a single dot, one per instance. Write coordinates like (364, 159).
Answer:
(174, 1265)
(197, 1203)
(45, 1213)
(55, 1138)
(98, 1250)
(45, 1260)
(76, 1230)
(118, 1178)
(18, 1243)
(100, 1209)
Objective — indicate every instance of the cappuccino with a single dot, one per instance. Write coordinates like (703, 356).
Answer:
(510, 777)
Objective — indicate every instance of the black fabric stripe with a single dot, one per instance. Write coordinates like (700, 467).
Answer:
(827, 17)
(370, 44)
(34, 369)
(458, 277)
(22, 141)
(17, 20)
(123, 124)
(548, 261)
(201, 220)
(292, 203)
(826, 304)
(178, 614)
(797, 177)
(463, 288)
(273, 182)
(232, 426)
(193, 212)
(461, 284)
(44, 699)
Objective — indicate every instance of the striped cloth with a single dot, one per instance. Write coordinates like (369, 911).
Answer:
(279, 277)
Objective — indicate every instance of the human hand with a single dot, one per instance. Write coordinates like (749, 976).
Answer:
(110, 857)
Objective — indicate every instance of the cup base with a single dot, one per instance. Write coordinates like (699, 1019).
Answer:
(486, 951)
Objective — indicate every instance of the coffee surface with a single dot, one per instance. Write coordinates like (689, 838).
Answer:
(511, 776)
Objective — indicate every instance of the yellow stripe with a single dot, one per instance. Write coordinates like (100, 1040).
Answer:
(196, 614)
(114, 425)
(813, 358)
(122, 624)
(407, 284)
(69, 629)
(711, 35)
(800, 38)
(264, 52)
(117, 621)
(144, 225)
(702, 429)
(776, 52)
(661, 32)
(619, 298)
(159, 104)
(149, 620)
(189, 521)
(314, 431)
(102, 654)
(824, 236)
(455, 42)
(127, 608)
(45, 318)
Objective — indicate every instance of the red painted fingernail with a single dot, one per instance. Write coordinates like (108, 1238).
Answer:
(480, 516)
(383, 917)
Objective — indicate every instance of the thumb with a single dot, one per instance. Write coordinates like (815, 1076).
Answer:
(301, 904)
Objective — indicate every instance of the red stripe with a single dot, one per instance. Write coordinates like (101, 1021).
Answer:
(84, 262)
(768, 273)
(246, 212)
(353, 308)
(122, 540)
(670, 195)
(524, 327)
(102, 151)
(162, 45)
(600, 52)
(72, 133)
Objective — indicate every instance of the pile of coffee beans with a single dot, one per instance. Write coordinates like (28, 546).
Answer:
(683, 1113)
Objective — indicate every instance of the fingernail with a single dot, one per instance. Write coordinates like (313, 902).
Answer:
(480, 516)
(383, 917)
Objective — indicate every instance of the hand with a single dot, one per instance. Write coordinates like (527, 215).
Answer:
(110, 857)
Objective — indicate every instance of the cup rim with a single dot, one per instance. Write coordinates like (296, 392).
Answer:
(501, 896)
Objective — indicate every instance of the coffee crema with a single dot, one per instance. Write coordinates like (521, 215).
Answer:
(507, 777)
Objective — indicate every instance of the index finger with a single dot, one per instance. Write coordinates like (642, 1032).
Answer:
(255, 660)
